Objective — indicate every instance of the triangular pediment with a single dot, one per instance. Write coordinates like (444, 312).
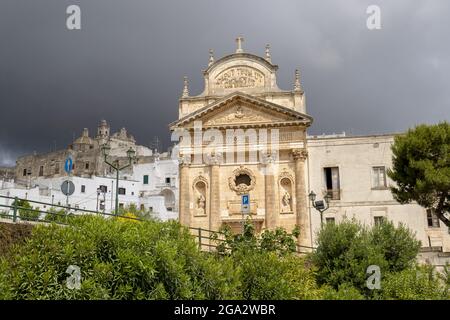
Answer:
(239, 109)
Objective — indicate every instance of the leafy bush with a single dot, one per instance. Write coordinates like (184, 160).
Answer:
(398, 244)
(26, 211)
(118, 260)
(278, 240)
(58, 216)
(268, 267)
(346, 250)
(343, 254)
(344, 292)
(132, 210)
(416, 283)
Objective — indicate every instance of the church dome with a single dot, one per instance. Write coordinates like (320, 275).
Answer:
(84, 139)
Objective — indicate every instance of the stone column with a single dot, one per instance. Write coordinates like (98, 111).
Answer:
(302, 214)
(214, 195)
(270, 189)
(184, 199)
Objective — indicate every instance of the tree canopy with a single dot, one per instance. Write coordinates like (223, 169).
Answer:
(421, 168)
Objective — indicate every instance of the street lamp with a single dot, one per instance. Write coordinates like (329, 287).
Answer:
(320, 205)
(130, 154)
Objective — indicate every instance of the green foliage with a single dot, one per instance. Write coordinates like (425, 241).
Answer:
(343, 254)
(278, 240)
(145, 260)
(398, 244)
(421, 168)
(26, 211)
(268, 267)
(344, 292)
(418, 283)
(58, 216)
(265, 276)
(347, 249)
(135, 211)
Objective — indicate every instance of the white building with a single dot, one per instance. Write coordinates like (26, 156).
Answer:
(353, 171)
(150, 186)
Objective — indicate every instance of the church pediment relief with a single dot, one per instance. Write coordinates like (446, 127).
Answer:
(241, 113)
(240, 108)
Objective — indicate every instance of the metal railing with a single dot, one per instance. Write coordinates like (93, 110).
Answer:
(207, 240)
(14, 211)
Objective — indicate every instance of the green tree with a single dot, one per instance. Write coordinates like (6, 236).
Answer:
(421, 168)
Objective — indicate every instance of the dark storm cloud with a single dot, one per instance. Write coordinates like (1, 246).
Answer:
(126, 64)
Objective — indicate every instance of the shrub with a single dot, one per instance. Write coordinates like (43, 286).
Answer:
(345, 251)
(26, 211)
(343, 254)
(55, 215)
(146, 260)
(267, 265)
(344, 292)
(398, 244)
(416, 283)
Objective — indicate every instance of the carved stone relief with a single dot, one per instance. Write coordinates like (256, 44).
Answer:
(240, 77)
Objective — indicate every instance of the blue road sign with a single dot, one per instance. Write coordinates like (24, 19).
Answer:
(68, 165)
(245, 199)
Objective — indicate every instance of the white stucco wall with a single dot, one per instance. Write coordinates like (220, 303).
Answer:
(355, 157)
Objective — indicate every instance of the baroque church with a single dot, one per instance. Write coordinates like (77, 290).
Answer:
(245, 135)
(262, 134)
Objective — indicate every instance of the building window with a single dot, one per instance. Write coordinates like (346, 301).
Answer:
(86, 166)
(41, 171)
(167, 180)
(432, 219)
(142, 207)
(83, 189)
(330, 220)
(103, 189)
(57, 168)
(378, 177)
(24, 172)
(120, 205)
(151, 209)
(378, 220)
(146, 179)
(332, 182)
(122, 191)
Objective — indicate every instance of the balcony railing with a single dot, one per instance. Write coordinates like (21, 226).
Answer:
(334, 194)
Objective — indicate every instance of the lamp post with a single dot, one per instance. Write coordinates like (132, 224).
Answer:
(320, 205)
(130, 154)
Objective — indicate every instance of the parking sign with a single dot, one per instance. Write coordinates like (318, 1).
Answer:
(245, 204)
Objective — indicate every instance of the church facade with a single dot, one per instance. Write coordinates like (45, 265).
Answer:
(243, 135)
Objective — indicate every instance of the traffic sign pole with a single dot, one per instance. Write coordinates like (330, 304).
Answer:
(245, 209)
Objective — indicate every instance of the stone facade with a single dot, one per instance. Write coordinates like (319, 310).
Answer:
(243, 135)
(85, 152)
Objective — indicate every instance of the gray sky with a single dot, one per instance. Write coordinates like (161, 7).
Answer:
(127, 63)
